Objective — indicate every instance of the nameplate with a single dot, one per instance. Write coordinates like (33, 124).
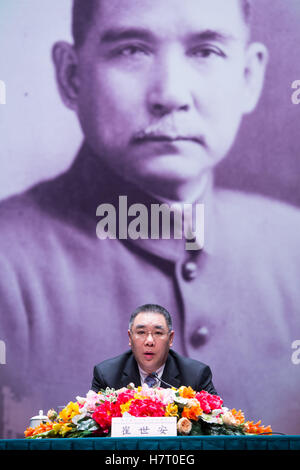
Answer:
(143, 427)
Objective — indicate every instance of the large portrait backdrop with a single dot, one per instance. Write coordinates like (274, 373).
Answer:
(66, 296)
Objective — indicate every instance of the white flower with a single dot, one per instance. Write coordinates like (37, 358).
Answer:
(165, 395)
(214, 417)
(76, 418)
(192, 402)
(81, 400)
(148, 391)
(229, 419)
(181, 400)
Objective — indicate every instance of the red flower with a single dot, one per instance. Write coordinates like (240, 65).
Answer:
(147, 407)
(104, 414)
(140, 408)
(208, 402)
(124, 397)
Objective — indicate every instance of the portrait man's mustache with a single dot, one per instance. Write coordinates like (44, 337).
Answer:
(170, 130)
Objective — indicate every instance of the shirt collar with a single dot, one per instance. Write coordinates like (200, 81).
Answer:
(144, 374)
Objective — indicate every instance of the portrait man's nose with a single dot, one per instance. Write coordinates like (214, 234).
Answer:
(169, 86)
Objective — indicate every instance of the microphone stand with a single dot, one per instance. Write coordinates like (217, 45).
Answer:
(155, 375)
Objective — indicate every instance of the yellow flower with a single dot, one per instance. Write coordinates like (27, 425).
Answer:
(125, 407)
(71, 410)
(171, 410)
(61, 428)
(140, 396)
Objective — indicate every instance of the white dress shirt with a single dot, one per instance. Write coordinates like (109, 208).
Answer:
(144, 374)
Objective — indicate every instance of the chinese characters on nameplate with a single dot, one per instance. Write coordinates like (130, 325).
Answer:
(143, 427)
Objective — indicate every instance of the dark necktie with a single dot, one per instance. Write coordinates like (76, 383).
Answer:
(150, 380)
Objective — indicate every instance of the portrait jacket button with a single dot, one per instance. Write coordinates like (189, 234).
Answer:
(189, 270)
(200, 336)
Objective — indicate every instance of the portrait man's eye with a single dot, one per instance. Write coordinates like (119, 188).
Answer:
(207, 51)
(131, 50)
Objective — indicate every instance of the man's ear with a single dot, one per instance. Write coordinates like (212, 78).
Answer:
(254, 74)
(66, 66)
(129, 336)
(171, 338)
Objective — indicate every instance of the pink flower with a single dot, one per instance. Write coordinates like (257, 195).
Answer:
(208, 402)
(89, 402)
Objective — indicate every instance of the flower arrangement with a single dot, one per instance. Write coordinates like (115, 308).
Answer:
(197, 413)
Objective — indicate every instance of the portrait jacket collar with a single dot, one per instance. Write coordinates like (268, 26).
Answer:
(75, 195)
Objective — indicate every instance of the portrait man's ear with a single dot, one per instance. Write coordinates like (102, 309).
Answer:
(254, 74)
(66, 65)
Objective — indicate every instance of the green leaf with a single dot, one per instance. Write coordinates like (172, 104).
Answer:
(43, 435)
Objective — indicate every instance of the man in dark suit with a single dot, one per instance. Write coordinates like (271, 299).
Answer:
(150, 359)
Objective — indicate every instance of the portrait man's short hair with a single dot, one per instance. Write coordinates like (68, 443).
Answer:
(83, 14)
(82, 17)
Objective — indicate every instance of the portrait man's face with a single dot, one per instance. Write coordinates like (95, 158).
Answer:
(150, 340)
(160, 87)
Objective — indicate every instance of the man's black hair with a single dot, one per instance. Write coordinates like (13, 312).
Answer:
(151, 308)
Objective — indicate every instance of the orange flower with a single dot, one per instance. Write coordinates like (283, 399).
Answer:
(186, 392)
(257, 428)
(29, 432)
(192, 412)
(43, 427)
(239, 416)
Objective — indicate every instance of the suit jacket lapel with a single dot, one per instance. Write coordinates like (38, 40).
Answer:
(131, 373)
(171, 373)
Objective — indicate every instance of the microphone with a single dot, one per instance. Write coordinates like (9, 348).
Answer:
(155, 375)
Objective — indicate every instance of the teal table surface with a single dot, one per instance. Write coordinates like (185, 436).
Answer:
(196, 443)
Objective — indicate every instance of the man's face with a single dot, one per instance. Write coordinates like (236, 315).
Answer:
(162, 88)
(150, 340)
